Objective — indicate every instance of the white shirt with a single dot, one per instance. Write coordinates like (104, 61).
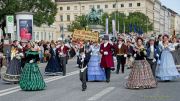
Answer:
(152, 48)
(105, 44)
(119, 46)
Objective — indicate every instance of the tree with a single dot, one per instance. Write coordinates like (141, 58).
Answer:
(80, 22)
(136, 20)
(44, 10)
(119, 17)
(140, 20)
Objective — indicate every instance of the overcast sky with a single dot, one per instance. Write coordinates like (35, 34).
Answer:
(172, 4)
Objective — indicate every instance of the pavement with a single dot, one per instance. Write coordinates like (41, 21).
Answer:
(68, 88)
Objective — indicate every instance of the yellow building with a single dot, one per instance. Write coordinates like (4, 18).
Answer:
(68, 10)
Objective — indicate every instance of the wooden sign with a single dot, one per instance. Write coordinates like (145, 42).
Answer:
(84, 35)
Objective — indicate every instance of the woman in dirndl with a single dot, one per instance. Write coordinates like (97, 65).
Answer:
(141, 76)
(13, 71)
(31, 78)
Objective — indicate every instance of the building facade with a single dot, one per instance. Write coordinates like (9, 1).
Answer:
(157, 17)
(68, 10)
(177, 24)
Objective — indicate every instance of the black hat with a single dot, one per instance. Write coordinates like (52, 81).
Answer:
(106, 37)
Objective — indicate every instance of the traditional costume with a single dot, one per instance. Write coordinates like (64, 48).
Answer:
(31, 78)
(13, 72)
(121, 51)
(141, 75)
(107, 61)
(63, 52)
(53, 66)
(153, 54)
(95, 72)
(167, 69)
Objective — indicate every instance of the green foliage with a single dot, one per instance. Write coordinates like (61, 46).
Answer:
(44, 10)
(136, 18)
(119, 17)
(81, 22)
(141, 20)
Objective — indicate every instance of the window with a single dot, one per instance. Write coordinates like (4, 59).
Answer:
(98, 6)
(75, 16)
(106, 6)
(130, 4)
(122, 5)
(75, 7)
(68, 8)
(83, 7)
(90, 6)
(41, 35)
(68, 17)
(37, 36)
(114, 5)
(68, 26)
(61, 8)
(50, 36)
(61, 17)
(44, 35)
(138, 4)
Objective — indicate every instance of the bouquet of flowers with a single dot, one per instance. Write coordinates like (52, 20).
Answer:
(19, 56)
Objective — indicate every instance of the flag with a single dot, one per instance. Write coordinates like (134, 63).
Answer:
(130, 27)
(135, 28)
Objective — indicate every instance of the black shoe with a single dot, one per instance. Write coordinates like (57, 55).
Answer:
(64, 74)
(107, 81)
(83, 89)
(117, 72)
(112, 69)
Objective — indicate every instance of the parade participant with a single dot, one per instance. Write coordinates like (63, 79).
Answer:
(167, 70)
(13, 71)
(84, 60)
(121, 51)
(53, 67)
(152, 55)
(63, 52)
(107, 58)
(41, 52)
(26, 46)
(177, 62)
(159, 42)
(129, 53)
(31, 78)
(141, 75)
(175, 51)
(80, 49)
(1, 56)
(95, 72)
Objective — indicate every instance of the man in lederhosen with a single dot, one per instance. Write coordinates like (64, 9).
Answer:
(121, 51)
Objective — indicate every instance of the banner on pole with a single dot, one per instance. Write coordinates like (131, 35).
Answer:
(107, 29)
(114, 27)
(10, 24)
